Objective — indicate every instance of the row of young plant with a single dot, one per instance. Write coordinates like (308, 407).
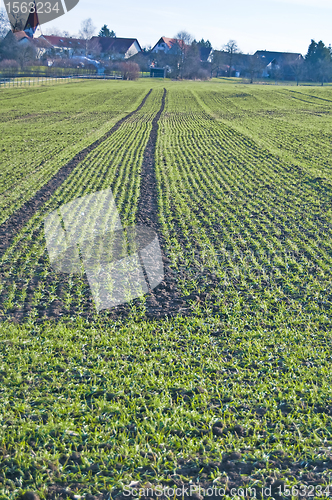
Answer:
(221, 399)
(48, 127)
(248, 240)
(238, 218)
(29, 285)
(292, 124)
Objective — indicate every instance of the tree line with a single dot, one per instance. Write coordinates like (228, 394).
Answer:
(188, 59)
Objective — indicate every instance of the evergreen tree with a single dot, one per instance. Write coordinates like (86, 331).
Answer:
(206, 44)
(106, 32)
(319, 61)
(202, 44)
(311, 52)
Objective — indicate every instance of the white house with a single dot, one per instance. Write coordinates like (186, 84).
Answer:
(168, 45)
(273, 61)
(117, 48)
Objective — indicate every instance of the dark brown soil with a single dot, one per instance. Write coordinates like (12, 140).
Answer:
(17, 220)
(164, 300)
(232, 472)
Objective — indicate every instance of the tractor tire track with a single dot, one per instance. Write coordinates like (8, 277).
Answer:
(165, 299)
(18, 219)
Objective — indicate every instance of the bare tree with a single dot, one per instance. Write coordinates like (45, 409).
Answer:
(87, 29)
(56, 32)
(255, 66)
(275, 71)
(324, 70)
(183, 42)
(86, 32)
(184, 37)
(192, 67)
(218, 61)
(17, 20)
(231, 48)
(297, 68)
(26, 54)
(4, 24)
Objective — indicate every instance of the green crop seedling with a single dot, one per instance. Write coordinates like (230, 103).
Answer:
(222, 374)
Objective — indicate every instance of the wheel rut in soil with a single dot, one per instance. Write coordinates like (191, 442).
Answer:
(18, 219)
(165, 299)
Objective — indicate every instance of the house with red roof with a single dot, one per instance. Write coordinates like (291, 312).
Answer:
(106, 47)
(168, 45)
(66, 45)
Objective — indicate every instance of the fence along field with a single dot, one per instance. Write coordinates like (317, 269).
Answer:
(236, 388)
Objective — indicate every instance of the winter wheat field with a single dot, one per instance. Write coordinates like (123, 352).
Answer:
(215, 383)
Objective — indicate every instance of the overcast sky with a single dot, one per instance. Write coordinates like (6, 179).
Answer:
(281, 25)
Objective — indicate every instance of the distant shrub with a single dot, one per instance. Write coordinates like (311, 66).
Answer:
(196, 73)
(8, 64)
(201, 74)
(129, 70)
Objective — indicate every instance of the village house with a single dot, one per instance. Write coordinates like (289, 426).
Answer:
(274, 61)
(168, 45)
(66, 46)
(99, 49)
(117, 48)
(73, 48)
(205, 54)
